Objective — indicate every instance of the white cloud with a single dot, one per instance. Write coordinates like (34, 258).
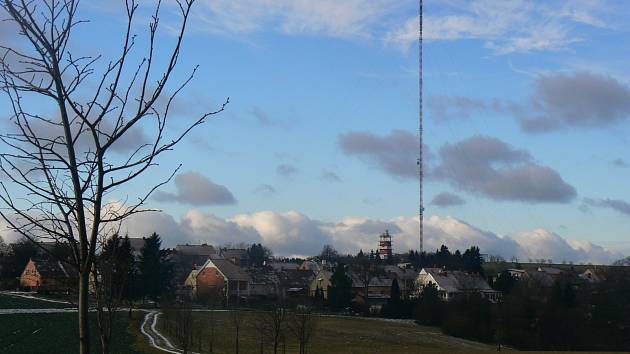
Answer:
(504, 26)
(543, 244)
(339, 19)
(287, 233)
(293, 233)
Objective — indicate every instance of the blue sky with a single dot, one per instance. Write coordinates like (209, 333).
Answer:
(533, 99)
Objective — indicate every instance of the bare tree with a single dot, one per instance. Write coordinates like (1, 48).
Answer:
(262, 327)
(302, 324)
(184, 325)
(237, 321)
(214, 299)
(276, 320)
(60, 167)
(366, 275)
(179, 322)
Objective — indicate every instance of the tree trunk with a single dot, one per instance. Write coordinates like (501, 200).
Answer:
(104, 344)
(84, 329)
(236, 340)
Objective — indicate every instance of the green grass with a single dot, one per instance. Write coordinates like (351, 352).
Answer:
(16, 302)
(57, 333)
(333, 335)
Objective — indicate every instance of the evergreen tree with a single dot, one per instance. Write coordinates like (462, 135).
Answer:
(394, 304)
(340, 292)
(429, 308)
(443, 257)
(505, 282)
(473, 262)
(156, 270)
(258, 254)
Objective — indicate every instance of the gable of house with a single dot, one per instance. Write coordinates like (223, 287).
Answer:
(50, 274)
(322, 281)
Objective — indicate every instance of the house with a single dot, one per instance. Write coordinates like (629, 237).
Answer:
(280, 266)
(453, 283)
(320, 281)
(405, 276)
(203, 250)
(544, 277)
(264, 282)
(516, 273)
(378, 286)
(48, 275)
(295, 282)
(191, 280)
(311, 266)
(592, 275)
(222, 276)
(237, 256)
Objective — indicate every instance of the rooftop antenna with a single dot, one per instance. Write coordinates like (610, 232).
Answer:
(420, 145)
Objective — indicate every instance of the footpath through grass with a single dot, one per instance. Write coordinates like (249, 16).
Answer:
(11, 301)
(333, 335)
(58, 333)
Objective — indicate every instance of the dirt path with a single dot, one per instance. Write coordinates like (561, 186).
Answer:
(156, 339)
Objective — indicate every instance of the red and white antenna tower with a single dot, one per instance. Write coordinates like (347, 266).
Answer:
(420, 145)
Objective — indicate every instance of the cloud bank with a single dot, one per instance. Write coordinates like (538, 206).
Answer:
(579, 100)
(293, 233)
(618, 205)
(195, 189)
(446, 199)
(582, 99)
(488, 166)
(394, 153)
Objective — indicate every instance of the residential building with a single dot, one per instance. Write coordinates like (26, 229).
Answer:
(221, 275)
(453, 283)
(405, 276)
(48, 275)
(237, 256)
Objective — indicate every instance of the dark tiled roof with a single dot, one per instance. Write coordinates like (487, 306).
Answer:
(357, 280)
(455, 280)
(229, 269)
(279, 266)
(234, 253)
(196, 250)
(53, 269)
(295, 278)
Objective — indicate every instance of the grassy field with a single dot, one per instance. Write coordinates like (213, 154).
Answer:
(16, 302)
(57, 333)
(333, 335)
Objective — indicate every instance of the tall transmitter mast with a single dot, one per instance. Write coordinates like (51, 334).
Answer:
(420, 143)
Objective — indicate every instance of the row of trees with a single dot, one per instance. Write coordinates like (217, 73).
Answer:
(274, 327)
(470, 260)
(567, 316)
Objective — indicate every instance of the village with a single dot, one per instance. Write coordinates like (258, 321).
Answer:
(249, 276)
(236, 275)
(466, 295)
